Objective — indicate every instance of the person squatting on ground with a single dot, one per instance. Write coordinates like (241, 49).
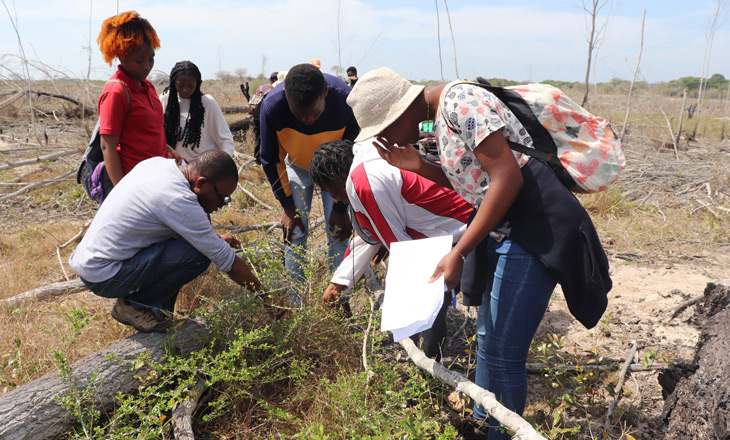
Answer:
(308, 109)
(389, 205)
(152, 236)
(194, 122)
(130, 113)
(536, 231)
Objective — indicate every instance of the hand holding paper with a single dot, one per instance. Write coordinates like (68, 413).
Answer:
(411, 301)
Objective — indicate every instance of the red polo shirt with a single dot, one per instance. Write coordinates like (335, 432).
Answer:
(140, 127)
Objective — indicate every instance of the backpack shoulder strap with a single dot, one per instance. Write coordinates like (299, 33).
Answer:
(126, 90)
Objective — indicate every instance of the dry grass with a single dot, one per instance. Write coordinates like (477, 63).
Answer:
(654, 214)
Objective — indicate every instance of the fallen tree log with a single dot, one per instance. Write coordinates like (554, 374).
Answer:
(697, 395)
(228, 109)
(509, 419)
(241, 124)
(51, 290)
(33, 412)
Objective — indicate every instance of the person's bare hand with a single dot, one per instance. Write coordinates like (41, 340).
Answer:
(450, 266)
(340, 225)
(331, 294)
(289, 221)
(173, 154)
(404, 157)
(231, 240)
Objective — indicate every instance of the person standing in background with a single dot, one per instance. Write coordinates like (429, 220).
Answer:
(194, 122)
(130, 113)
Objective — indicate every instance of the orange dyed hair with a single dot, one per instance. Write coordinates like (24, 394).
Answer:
(125, 33)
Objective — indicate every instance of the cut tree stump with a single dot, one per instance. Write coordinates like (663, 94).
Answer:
(33, 411)
(698, 402)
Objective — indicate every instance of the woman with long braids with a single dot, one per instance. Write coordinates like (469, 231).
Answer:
(130, 115)
(194, 122)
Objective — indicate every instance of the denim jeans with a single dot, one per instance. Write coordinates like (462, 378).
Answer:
(516, 296)
(302, 190)
(154, 276)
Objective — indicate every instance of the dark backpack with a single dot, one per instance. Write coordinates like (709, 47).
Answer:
(91, 168)
(254, 105)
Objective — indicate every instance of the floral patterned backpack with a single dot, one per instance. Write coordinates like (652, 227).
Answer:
(581, 148)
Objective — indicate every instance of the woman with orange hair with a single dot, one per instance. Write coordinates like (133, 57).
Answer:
(130, 114)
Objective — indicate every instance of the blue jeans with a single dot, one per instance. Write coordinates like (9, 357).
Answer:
(154, 276)
(516, 296)
(302, 190)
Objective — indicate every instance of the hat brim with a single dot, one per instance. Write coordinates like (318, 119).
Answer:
(392, 115)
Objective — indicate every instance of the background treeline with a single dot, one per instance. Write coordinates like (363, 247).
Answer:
(715, 86)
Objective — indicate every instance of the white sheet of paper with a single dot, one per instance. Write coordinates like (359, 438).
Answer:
(411, 302)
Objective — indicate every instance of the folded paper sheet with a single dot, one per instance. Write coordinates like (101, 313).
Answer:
(411, 302)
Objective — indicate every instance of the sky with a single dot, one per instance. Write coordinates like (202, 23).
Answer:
(519, 40)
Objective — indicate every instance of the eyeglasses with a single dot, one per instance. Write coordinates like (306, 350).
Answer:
(224, 199)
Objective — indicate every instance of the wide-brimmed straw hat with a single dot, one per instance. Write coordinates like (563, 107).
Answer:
(378, 99)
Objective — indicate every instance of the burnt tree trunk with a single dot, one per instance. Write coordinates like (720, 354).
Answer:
(697, 394)
(32, 410)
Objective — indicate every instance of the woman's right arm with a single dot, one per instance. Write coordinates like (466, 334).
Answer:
(111, 157)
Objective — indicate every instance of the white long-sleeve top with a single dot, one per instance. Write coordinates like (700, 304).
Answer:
(394, 205)
(214, 134)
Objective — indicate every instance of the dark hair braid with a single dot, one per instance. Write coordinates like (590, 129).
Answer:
(331, 161)
(190, 134)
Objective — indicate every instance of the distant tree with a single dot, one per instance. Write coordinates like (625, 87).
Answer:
(595, 35)
(241, 73)
(224, 76)
(718, 17)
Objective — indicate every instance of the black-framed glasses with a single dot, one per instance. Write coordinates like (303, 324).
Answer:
(224, 199)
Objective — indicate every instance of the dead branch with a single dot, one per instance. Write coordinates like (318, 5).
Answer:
(53, 156)
(228, 109)
(677, 310)
(365, 338)
(44, 292)
(237, 229)
(621, 380)
(254, 198)
(55, 95)
(671, 135)
(27, 188)
(182, 414)
(509, 419)
(633, 79)
(536, 368)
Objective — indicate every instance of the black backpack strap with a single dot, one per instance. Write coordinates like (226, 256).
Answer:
(545, 148)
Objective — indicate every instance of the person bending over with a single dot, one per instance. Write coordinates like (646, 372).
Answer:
(152, 236)
(389, 205)
(194, 122)
(536, 232)
(309, 108)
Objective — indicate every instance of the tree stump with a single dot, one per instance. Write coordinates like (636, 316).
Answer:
(33, 411)
(697, 394)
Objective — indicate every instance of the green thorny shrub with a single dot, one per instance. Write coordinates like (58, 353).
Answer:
(298, 377)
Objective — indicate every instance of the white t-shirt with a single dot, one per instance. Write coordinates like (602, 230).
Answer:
(214, 134)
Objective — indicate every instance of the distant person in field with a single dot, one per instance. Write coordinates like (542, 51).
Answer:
(130, 113)
(309, 108)
(152, 236)
(352, 76)
(254, 109)
(194, 122)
